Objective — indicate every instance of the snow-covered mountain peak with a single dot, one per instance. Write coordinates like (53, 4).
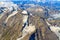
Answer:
(8, 6)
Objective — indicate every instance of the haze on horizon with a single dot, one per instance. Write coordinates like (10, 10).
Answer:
(30, 0)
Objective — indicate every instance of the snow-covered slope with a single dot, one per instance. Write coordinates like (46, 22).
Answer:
(8, 5)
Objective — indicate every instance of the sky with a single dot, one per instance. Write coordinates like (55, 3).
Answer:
(29, 0)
